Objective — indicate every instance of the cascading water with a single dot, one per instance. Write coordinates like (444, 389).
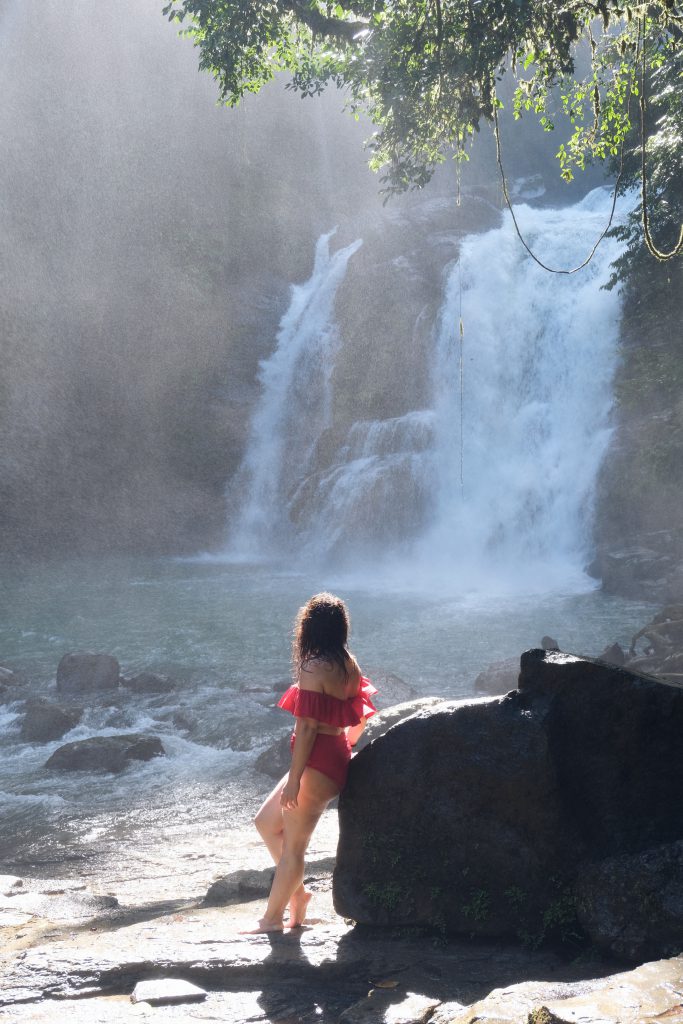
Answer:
(538, 355)
(293, 410)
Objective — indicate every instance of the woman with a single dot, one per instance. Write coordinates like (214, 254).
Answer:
(331, 703)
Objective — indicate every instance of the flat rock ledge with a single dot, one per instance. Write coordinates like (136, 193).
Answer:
(176, 954)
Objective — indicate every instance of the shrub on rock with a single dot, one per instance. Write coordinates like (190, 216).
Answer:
(105, 753)
(79, 672)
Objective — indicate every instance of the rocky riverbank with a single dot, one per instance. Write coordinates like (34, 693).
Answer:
(69, 951)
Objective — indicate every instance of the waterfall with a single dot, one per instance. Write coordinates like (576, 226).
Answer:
(538, 358)
(293, 410)
(492, 485)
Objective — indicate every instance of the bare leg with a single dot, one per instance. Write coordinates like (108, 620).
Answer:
(316, 792)
(270, 825)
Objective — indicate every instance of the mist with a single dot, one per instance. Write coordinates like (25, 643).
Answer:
(148, 242)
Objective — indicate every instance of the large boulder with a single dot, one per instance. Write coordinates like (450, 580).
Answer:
(476, 817)
(632, 905)
(45, 721)
(80, 672)
(105, 753)
(388, 717)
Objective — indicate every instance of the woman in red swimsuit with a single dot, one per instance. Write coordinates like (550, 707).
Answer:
(331, 703)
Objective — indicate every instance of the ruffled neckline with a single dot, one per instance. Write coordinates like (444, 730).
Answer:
(328, 709)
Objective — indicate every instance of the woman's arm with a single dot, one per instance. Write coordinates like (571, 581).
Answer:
(304, 737)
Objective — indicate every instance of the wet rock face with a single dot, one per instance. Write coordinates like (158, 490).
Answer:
(382, 722)
(45, 721)
(617, 754)
(473, 818)
(633, 905)
(79, 672)
(105, 753)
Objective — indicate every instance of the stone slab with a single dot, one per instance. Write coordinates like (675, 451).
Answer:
(651, 992)
(167, 991)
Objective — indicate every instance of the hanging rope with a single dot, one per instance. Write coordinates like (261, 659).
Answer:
(462, 380)
(553, 270)
(663, 257)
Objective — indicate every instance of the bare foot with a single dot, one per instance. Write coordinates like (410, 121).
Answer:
(298, 906)
(263, 927)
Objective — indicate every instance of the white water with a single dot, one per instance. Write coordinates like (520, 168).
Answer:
(294, 408)
(506, 504)
(514, 490)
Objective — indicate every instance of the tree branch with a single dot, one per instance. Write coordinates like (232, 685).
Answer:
(321, 25)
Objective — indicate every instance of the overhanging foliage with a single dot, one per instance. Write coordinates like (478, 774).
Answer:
(426, 71)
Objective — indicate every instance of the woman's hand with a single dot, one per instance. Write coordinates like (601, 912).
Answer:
(289, 795)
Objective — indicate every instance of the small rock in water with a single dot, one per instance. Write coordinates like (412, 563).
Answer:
(105, 753)
(149, 682)
(392, 689)
(276, 759)
(9, 884)
(166, 991)
(498, 678)
(549, 644)
(46, 721)
(81, 671)
(613, 655)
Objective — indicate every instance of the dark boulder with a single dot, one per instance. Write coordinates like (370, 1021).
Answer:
(632, 905)
(498, 678)
(79, 672)
(7, 676)
(105, 753)
(613, 655)
(276, 759)
(391, 688)
(149, 683)
(8, 685)
(474, 817)
(45, 721)
(391, 716)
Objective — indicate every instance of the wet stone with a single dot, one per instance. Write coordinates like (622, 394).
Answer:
(387, 1007)
(167, 991)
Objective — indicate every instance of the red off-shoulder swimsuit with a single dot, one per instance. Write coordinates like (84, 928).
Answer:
(330, 753)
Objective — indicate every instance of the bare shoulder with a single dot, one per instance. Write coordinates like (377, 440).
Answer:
(354, 673)
(314, 674)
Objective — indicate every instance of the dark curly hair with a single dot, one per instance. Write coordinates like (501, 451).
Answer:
(321, 629)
